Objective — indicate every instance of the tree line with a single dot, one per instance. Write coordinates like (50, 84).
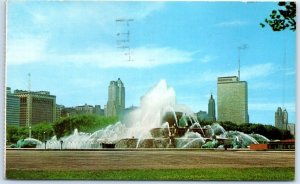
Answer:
(268, 131)
(91, 123)
(62, 127)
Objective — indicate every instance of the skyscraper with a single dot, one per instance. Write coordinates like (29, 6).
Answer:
(232, 100)
(12, 108)
(211, 109)
(36, 107)
(116, 98)
(281, 119)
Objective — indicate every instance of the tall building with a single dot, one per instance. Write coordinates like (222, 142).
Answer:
(291, 127)
(89, 109)
(59, 109)
(211, 109)
(281, 119)
(12, 108)
(116, 99)
(84, 109)
(202, 116)
(232, 100)
(36, 107)
(98, 111)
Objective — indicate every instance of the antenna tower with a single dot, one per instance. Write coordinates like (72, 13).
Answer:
(242, 47)
(283, 77)
(29, 82)
(28, 104)
(123, 38)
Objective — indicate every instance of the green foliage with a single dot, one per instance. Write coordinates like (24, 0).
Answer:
(11, 134)
(14, 133)
(62, 127)
(204, 122)
(228, 174)
(84, 123)
(42, 131)
(283, 18)
(228, 125)
(268, 131)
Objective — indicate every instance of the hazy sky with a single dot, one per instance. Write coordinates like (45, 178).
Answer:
(71, 50)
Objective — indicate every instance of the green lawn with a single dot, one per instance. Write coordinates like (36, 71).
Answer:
(248, 174)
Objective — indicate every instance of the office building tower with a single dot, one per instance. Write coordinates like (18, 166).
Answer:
(211, 109)
(12, 108)
(36, 107)
(98, 111)
(292, 128)
(116, 99)
(84, 109)
(232, 104)
(59, 109)
(281, 119)
(202, 116)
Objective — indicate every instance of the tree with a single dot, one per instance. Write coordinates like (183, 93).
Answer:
(83, 123)
(268, 131)
(42, 131)
(11, 134)
(283, 18)
(228, 125)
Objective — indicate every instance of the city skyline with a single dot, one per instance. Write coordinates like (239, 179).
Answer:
(185, 43)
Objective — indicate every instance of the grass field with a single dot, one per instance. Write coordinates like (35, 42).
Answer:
(151, 165)
(232, 174)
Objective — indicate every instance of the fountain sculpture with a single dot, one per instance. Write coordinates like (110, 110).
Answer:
(158, 123)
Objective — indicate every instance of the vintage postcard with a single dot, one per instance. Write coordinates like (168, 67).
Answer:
(155, 90)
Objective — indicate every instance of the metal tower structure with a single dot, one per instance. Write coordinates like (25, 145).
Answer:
(242, 47)
(123, 38)
(283, 77)
(29, 105)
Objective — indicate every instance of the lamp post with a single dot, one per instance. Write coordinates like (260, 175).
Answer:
(45, 139)
(29, 131)
(61, 143)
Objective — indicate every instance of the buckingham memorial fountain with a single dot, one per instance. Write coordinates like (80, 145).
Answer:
(159, 122)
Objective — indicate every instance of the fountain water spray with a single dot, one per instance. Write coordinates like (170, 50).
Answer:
(158, 123)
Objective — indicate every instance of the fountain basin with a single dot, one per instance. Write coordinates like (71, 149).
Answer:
(127, 143)
(189, 142)
(143, 143)
(161, 132)
(108, 145)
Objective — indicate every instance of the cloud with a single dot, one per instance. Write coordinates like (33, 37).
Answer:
(259, 70)
(29, 49)
(103, 14)
(147, 9)
(288, 71)
(247, 73)
(207, 58)
(40, 38)
(231, 23)
(26, 49)
(141, 57)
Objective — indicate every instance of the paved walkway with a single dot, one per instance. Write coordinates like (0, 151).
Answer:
(111, 160)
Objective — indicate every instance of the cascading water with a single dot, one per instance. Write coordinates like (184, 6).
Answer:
(146, 127)
(259, 138)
